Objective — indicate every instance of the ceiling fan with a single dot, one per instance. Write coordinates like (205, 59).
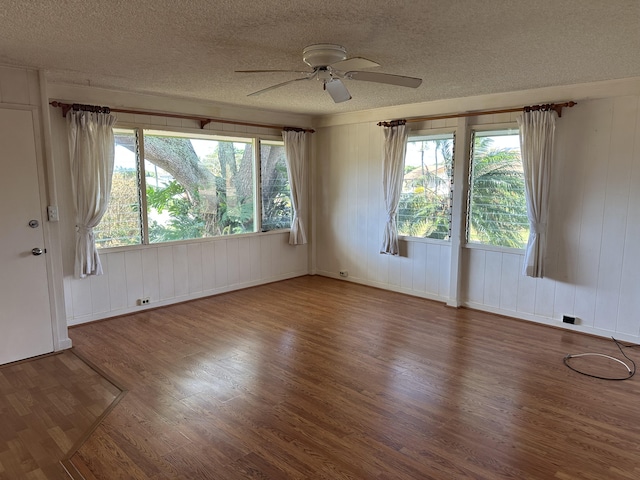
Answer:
(331, 66)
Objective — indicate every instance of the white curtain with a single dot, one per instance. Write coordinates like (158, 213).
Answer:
(537, 130)
(295, 147)
(91, 150)
(395, 144)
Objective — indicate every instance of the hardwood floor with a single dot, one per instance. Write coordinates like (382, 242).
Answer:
(47, 407)
(314, 378)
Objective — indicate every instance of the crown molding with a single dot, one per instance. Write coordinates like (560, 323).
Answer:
(562, 93)
(160, 103)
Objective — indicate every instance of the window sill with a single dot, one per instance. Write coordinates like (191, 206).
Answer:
(493, 248)
(191, 241)
(424, 240)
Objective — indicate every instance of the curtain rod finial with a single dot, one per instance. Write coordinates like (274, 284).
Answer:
(65, 107)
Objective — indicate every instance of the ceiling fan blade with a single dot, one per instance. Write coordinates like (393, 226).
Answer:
(399, 80)
(355, 63)
(269, 71)
(278, 85)
(337, 90)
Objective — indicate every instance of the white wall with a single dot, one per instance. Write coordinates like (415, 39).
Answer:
(176, 271)
(593, 259)
(594, 226)
(350, 217)
(173, 273)
(19, 86)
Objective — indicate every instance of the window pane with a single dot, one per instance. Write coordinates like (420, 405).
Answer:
(497, 206)
(276, 194)
(425, 201)
(198, 186)
(121, 224)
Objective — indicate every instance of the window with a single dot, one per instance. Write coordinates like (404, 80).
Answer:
(198, 186)
(425, 201)
(122, 222)
(497, 213)
(276, 193)
(195, 186)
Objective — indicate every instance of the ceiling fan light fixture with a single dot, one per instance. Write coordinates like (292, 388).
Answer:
(337, 90)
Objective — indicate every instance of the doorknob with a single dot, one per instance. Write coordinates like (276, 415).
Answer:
(37, 251)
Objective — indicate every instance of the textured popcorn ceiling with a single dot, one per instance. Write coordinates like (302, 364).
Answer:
(190, 48)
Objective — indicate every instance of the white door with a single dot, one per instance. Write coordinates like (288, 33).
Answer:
(25, 314)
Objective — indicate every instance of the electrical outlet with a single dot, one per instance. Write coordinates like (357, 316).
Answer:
(344, 273)
(143, 301)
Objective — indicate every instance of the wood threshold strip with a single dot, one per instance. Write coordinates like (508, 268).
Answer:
(67, 462)
(549, 106)
(204, 121)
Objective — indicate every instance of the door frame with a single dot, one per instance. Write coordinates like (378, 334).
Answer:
(50, 230)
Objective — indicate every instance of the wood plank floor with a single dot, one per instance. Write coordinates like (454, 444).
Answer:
(47, 406)
(315, 378)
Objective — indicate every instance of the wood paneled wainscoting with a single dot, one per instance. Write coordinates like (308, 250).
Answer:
(316, 378)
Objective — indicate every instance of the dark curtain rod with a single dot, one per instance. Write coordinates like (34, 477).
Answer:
(557, 107)
(203, 120)
(85, 108)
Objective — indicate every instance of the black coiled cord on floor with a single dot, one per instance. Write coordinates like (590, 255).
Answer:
(621, 346)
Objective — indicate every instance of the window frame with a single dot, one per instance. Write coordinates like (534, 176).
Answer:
(489, 127)
(435, 132)
(258, 149)
(255, 138)
(128, 130)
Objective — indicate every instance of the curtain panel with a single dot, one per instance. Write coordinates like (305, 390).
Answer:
(91, 151)
(395, 145)
(537, 132)
(295, 147)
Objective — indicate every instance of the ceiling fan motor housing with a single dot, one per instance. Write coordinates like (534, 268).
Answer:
(323, 54)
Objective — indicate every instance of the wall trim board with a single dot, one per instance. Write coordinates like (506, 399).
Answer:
(179, 105)
(61, 340)
(552, 322)
(385, 286)
(64, 344)
(179, 299)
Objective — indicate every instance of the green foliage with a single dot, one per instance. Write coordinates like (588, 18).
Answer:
(193, 197)
(238, 218)
(424, 208)
(215, 198)
(278, 212)
(424, 215)
(172, 198)
(184, 221)
(120, 224)
(498, 211)
(276, 200)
